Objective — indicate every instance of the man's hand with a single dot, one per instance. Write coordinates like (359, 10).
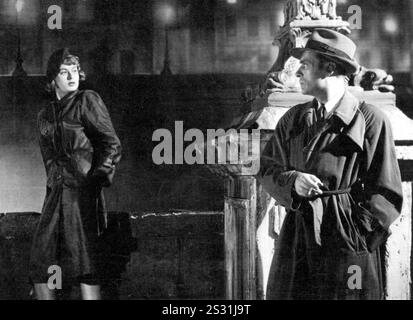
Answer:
(307, 185)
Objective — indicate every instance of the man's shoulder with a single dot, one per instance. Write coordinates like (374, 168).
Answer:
(302, 106)
(376, 121)
(296, 111)
(372, 114)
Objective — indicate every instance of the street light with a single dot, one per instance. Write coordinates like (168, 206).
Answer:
(19, 5)
(18, 70)
(390, 25)
(167, 14)
(391, 29)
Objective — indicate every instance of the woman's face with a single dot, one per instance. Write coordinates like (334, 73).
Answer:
(67, 79)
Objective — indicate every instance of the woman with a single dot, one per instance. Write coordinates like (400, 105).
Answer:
(80, 149)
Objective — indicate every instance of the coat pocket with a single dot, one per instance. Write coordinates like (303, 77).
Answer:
(81, 163)
(372, 233)
(364, 219)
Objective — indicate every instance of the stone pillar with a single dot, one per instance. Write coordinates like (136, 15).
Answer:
(240, 209)
(240, 245)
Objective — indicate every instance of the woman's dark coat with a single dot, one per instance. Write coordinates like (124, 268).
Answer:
(80, 149)
(324, 241)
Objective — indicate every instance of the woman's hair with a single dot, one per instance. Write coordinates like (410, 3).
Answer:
(59, 57)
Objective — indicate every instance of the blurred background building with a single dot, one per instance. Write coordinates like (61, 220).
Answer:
(205, 36)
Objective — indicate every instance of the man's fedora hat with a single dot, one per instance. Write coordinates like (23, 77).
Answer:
(331, 44)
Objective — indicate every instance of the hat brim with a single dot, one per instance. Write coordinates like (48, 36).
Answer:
(350, 65)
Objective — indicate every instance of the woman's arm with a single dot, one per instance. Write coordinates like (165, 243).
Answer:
(99, 129)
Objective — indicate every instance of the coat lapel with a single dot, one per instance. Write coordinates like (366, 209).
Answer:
(354, 124)
(67, 101)
(302, 120)
(346, 115)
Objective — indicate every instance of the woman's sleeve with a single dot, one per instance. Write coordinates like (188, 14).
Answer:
(45, 144)
(100, 131)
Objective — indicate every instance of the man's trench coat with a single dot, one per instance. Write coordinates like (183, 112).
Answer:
(327, 242)
(80, 150)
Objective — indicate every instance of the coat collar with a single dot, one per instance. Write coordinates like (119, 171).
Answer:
(347, 111)
(66, 98)
(63, 105)
(347, 108)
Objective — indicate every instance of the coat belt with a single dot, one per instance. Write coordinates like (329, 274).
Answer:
(318, 211)
(327, 193)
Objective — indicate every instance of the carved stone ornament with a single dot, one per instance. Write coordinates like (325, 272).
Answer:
(310, 10)
(301, 17)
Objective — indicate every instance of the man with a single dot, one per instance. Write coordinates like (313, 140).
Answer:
(332, 163)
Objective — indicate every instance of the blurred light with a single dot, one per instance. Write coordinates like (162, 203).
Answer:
(166, 13)
(342, 1)
(19, 5)
(231, 1)
(390, 25)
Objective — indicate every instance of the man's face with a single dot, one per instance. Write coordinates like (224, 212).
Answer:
(67, 79)
(312, 76)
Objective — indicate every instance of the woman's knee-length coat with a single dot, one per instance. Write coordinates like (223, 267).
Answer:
(326, 240)
(80, 150)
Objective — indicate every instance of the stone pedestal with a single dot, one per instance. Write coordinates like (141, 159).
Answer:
(240, 239)
(240, 225)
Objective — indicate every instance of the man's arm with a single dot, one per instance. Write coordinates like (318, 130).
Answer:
(383, 180)
(275, 174)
